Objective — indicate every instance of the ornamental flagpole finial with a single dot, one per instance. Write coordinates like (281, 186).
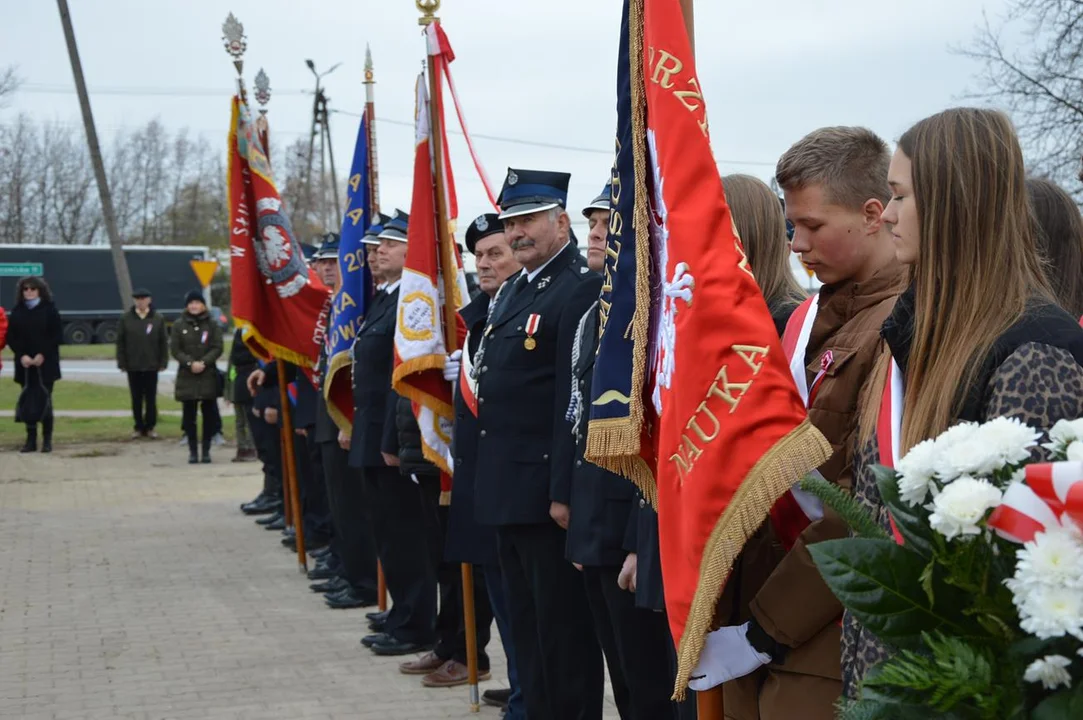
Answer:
(428, 9)
(262, 84)
(368, 66)
(235, 43)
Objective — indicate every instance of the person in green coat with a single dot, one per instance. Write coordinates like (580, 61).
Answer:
(196, 343)
(142, 353)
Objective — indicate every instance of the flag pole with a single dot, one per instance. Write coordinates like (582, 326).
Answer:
(709, 705)
(447, 269)
(374, 208)
(289, 472)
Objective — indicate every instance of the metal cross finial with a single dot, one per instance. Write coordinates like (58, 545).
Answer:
(263, 90)
(428, 9)
(235, 43)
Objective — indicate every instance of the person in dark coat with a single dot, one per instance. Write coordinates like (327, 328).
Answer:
(466, 540)
(142, 353)
(395, 502)
(242, 363)
(196, 343)
(34, 335)
(635, 642)
(519, 488)
(445, 665)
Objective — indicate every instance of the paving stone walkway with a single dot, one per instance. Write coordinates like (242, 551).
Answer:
(132, 588)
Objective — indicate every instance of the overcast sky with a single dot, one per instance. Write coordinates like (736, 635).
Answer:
(540, 71)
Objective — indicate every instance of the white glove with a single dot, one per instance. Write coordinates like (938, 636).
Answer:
(451, 366)
(726, 656)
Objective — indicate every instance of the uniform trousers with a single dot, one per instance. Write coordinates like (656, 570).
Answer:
(498, 601)
(353, 539)
(559, 661)
(636, 643)
(315, 510)
(400, 524)
(268, 442)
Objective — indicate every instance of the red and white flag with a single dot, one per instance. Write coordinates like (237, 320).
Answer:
(422, 338)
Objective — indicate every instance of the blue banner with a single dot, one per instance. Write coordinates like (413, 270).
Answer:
(617, 402)
(355, 287)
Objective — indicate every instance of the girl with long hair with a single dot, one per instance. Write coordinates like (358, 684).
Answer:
(34, 334)
(761, 225)
(1060, 241)
(978, 334)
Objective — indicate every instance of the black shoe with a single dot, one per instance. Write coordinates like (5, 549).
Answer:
(193, 459)
(268, 519)
(262, 505)
(321, 572)
(30, 447)
(377, 616)
(320, 553)
(289, 532)
(206, 458)
(349, 599)
(279, 523)
(331, 586)
(291, 542)
(378, 626)
(370, 640)
(392, 647)
(496, 698)
(47, 445)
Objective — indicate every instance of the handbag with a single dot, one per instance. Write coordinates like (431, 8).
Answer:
(35, 401)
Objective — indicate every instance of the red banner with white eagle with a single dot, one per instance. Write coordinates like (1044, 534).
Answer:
(282, 304)
(721, 427)
(422, 337)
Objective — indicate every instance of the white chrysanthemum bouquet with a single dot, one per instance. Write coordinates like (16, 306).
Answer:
(978, 584)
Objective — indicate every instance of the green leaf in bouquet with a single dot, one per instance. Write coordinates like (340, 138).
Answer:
(949, 674)
(886, 708)
(880, 582)
(1061, 705)
(849, 509)
(911, 522)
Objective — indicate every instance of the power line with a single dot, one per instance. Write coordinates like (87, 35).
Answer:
(41, 88)
(45, 89)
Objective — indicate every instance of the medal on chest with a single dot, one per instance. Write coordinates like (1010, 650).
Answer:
(532, 324)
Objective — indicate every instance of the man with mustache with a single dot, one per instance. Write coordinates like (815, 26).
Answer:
(522, 380)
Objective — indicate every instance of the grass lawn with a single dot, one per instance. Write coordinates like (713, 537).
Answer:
(94, 352)
(73, 395)
(83, 431)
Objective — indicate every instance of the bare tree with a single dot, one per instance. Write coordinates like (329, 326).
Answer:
(9, 83)
(1039, 79)
(18, 160)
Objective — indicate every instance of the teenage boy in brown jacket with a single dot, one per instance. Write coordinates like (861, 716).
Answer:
(779, 654)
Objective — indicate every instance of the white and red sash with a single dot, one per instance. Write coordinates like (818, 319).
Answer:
(468, 386)
(797, 509)
(889, 426)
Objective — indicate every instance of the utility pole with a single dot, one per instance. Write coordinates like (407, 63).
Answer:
(318, 104)
(120, 263)
(331, 157)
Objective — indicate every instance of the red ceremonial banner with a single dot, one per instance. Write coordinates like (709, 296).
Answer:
(283, 305)
(730, 433)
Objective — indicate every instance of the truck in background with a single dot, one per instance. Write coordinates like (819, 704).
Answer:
(84, 284)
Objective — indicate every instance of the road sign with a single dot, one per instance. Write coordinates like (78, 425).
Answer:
(21, 269)
(204, 270)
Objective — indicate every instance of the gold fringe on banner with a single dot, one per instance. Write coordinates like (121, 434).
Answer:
(801, 451)
(614, 443)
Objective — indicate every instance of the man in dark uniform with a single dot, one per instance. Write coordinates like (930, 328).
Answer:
(309, 461)
(635, 641)
(352, 533)
(521, 384)
(394, 501)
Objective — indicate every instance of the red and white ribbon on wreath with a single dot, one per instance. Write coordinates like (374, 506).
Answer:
(1051, 492)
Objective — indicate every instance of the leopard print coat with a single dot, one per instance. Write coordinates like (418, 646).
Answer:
(1037, 384)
